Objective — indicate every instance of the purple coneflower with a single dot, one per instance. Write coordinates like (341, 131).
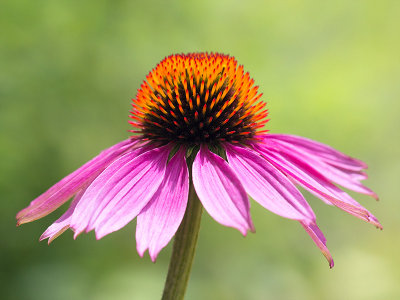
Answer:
(198, 121)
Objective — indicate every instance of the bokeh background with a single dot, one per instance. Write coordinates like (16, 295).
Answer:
(330, 71)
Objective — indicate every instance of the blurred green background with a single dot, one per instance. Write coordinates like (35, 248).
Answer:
(329, 71)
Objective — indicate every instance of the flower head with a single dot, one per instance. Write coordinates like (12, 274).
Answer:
(198, 99)
(201, 116)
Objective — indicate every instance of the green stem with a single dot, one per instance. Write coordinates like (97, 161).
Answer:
(184, 249)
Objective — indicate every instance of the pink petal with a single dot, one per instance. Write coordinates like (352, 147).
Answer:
(267, 185)
(93, 203)
(59, 193)
(325, 152)
(346, 178)
(158, 222)
(316, 183)
(62, 224)
(319, 239)
(220, 191)
(120, 192)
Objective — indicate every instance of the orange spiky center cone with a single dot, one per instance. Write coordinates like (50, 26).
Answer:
(198, 98)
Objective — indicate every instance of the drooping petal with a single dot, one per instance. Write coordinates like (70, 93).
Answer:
(267, 185)
(120, 192)
(319, 239)
(59, 193)
(220, 191)
(325, 152)
(63, 223)
(316, 183)
(320, 186)
(346, 178)
(158, 222)
(93, 203)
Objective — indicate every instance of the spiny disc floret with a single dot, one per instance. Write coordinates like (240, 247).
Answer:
(198, 98)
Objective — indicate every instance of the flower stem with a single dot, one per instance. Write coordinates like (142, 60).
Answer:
(184, 249)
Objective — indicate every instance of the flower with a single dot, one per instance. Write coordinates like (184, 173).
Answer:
(198, 117)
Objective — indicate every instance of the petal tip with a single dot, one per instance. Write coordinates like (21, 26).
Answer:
(331, 263)
(328, 257)
(99, 235)
(243, 232)
(77, 233)
(140, 249)
(374, 221)
(21, 220)
(153, 256)
(252, 228)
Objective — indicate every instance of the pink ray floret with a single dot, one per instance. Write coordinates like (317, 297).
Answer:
(220, 191)
(160, 219)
